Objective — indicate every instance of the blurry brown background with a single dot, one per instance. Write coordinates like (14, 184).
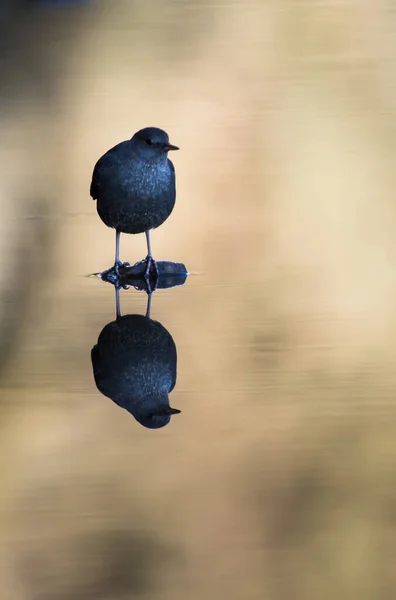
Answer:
(278, 479)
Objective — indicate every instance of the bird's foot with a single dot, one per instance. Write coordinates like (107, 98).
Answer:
(150, 288)
(151, 269)
(115, 274)
(118, 265)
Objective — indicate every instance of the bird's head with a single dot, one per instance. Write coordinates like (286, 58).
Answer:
(152, 143)
(157, 419)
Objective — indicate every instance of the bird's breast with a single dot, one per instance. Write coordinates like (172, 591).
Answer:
(137, 196)
(150, 180)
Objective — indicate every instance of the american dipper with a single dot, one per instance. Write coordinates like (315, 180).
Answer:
(134, 364)
(134, 185)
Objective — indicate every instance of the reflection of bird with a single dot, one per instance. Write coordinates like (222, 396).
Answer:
(134, 185)
(134, 364)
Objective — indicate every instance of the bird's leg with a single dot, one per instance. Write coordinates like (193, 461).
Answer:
(148, 244)
(117, 254)
(117, 294)
(151, 286)
(148, 310)
(149, 259)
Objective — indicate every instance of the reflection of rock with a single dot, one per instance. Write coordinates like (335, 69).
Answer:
(170, 274)
(134, 364)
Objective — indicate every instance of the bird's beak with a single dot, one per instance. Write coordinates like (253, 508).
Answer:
(168, 147)
(172, 411)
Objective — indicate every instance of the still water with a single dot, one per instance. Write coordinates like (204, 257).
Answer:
(276, 481)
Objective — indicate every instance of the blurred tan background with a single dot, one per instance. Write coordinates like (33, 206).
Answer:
(277, 481)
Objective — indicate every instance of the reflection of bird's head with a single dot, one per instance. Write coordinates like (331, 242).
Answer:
(134, 364)
(152, 143)
(156, 420)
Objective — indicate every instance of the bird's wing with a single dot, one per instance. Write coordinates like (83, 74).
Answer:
(173, 380)
(95, 358)
(94, 185)
(104, 164)
(103, 167)
(171, 166)
(173, 366)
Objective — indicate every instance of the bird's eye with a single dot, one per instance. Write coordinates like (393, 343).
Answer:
(148, 141)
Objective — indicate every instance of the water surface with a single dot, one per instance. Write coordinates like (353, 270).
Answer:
(277, 479)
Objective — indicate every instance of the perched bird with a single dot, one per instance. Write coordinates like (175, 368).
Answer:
(134, 186)
(134, 364)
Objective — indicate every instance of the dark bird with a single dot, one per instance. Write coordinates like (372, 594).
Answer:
(134, 364)
(134, 186)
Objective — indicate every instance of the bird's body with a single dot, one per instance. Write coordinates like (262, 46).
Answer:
(133, 195)
(134, 184)
(134, 364)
